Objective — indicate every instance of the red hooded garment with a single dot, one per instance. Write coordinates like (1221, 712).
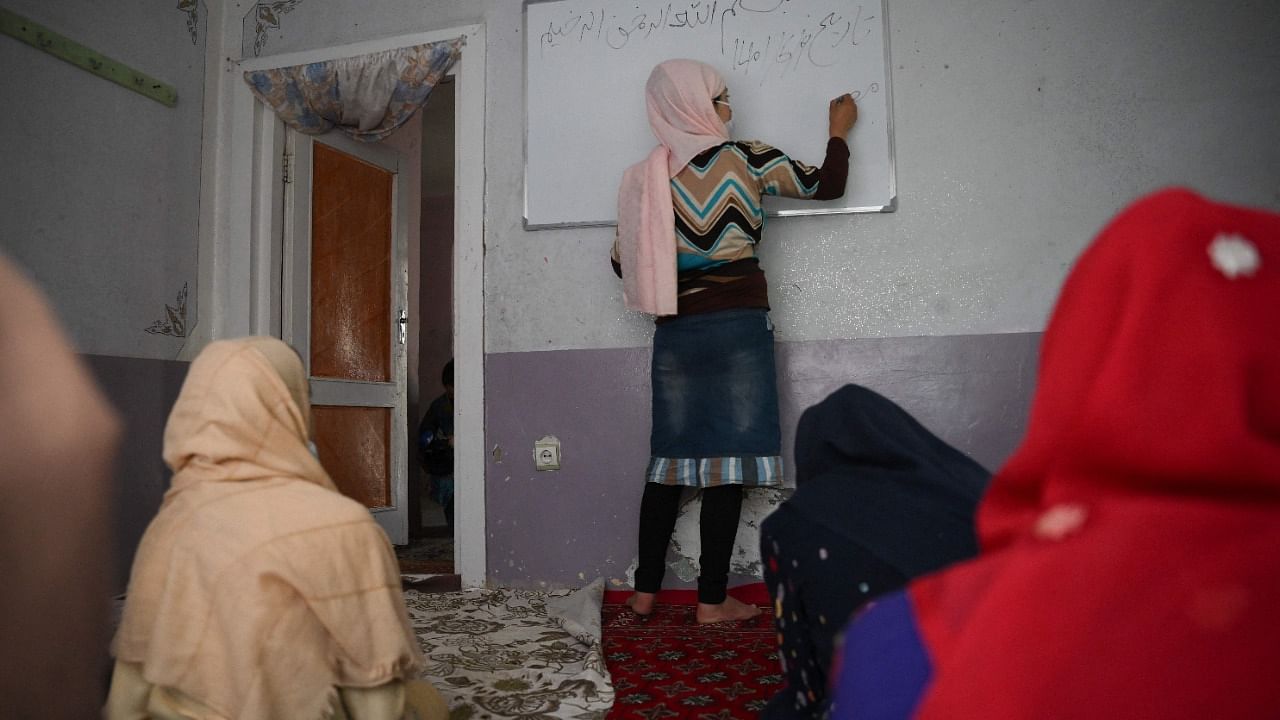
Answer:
(1130, 549)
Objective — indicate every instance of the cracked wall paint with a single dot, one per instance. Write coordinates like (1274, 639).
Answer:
(686, 544)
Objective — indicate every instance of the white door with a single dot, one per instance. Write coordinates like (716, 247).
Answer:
(344, 303)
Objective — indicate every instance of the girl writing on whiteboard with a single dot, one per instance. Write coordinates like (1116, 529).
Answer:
(689, 218)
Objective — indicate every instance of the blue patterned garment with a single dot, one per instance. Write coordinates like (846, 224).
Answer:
(715, 402)
(709, 472)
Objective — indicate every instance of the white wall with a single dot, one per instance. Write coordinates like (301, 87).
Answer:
(1020, 128)
(101, 185)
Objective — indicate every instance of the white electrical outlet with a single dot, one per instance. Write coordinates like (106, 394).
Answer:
(546, 453)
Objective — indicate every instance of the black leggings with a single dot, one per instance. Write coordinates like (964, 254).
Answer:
(717, 526)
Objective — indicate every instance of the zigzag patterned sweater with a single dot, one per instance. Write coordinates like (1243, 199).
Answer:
(719, 218)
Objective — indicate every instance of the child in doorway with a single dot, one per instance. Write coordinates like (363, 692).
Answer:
(435, 446)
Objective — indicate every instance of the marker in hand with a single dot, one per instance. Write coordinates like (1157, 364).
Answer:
(843, 113)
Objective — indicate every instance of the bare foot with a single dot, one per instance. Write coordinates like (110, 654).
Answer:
(641, 603)
(730, 610)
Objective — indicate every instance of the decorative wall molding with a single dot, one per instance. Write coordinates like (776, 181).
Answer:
(175, 322)
(265, 15)
(192, 9)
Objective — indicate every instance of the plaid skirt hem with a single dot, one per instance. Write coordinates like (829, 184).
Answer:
(749, 471)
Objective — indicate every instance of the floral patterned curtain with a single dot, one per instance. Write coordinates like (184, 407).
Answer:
(366, 97)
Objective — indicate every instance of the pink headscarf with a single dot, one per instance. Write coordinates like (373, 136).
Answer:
(678, 97)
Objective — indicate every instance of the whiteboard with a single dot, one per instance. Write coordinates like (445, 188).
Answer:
(586, 64)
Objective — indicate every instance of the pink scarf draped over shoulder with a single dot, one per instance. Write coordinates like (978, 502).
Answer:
(678, 97)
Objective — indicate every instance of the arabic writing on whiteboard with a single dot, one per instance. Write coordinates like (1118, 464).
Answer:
(797, 38)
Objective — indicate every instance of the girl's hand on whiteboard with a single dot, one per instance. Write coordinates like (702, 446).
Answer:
(843, 114)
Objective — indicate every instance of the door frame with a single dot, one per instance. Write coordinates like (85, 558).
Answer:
(241, 261)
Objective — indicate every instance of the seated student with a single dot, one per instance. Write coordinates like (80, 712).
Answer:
(259, 591)
(1130, 564)
(879, 500)
(435, 446)
(56, 460)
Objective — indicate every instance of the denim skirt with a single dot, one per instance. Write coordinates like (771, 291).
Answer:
(715, 401)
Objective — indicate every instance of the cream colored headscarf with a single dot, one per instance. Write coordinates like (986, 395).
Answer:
(258, 589)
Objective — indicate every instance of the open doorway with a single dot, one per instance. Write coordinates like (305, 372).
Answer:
(432, 520)
(252, 301)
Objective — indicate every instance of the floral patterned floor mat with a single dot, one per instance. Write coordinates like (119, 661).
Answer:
(514, 653)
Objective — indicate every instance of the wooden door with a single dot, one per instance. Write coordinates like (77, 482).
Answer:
(345, 294)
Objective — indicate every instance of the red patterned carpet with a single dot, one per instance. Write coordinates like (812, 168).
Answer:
(668, 666)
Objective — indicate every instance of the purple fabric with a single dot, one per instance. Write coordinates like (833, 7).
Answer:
(884, 667)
